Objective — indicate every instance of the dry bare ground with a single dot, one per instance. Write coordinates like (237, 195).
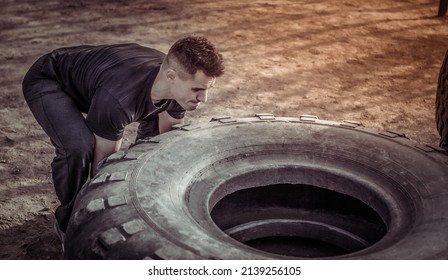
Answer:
(375, 62)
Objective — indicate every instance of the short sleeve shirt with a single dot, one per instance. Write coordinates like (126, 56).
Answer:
(112, 84)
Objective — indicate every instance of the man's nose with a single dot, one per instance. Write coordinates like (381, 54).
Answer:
(202, 96)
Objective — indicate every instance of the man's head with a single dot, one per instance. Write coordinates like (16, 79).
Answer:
(192, 66)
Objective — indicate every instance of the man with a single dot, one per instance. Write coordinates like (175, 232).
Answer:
(442, 103)
(114, 85)
(443, 7)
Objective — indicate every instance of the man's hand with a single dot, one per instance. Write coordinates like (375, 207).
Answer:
(103, 149)
(166, 122)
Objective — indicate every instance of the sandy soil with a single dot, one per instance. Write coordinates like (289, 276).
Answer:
(375, 62)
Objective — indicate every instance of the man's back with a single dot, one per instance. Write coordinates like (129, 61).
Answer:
(120, 69)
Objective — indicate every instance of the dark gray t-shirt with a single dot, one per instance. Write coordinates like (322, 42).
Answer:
(112, 84)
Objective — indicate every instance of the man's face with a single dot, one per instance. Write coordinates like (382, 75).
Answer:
(190, 92)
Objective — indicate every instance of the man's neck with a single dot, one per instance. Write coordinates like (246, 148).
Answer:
(160, 89)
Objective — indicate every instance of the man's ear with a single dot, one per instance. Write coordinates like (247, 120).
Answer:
(171, 74)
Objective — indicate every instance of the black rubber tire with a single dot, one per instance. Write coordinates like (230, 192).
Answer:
(156, 200)
(442, 104)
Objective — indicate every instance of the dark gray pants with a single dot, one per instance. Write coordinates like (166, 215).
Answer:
(64, 123)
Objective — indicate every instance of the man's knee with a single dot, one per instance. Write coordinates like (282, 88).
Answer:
(87, 144)
(82, 147)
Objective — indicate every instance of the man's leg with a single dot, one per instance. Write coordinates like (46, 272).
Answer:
(60, 118)
(442, 104)
(443, 7)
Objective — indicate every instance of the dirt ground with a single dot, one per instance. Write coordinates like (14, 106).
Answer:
(375, 62)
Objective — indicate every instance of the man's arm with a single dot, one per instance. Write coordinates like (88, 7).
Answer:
(166, 122)
(103, 149)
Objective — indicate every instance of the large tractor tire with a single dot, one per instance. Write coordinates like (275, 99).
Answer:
(442, 104)
(266, 188)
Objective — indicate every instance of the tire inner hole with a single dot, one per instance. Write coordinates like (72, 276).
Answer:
(298, 220)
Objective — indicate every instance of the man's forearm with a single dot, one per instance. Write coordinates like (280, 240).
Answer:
(103, 149)
(166, 122)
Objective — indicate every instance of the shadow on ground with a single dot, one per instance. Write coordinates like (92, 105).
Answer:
(38, 241)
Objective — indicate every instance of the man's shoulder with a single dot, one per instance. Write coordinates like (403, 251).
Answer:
(133, 47)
